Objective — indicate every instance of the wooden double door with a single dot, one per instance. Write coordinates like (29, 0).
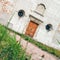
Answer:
(31, 29)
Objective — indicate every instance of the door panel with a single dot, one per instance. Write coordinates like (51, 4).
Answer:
(31, 28)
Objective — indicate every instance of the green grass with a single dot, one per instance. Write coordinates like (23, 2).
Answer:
(9, 48)
(39, 44)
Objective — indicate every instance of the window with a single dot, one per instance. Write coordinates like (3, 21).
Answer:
(49, 27)
(21, 13)
(40, 9)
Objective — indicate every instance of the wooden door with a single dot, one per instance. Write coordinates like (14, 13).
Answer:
(31, 29)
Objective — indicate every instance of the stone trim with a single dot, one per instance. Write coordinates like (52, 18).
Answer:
(34, 19)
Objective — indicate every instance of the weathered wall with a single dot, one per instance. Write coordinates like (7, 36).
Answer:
(6, 10)
(51, 16)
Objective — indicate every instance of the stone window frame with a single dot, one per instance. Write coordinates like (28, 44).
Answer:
(41, 12)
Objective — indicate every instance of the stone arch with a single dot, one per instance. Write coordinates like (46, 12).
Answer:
(40, 8)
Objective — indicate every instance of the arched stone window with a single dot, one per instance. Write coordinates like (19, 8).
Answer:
(40, 9)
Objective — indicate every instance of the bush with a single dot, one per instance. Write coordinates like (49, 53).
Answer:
(9, 48)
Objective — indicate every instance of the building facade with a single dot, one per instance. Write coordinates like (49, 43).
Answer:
(39, 19)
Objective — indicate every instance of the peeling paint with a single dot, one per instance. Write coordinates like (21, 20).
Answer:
(6, 6)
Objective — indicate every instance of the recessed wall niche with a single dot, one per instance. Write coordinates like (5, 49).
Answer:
(40, 9)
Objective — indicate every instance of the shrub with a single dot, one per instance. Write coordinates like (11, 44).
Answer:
(9, 48)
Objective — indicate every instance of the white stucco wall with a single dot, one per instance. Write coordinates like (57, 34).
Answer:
(6, 10)
(51, 16)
